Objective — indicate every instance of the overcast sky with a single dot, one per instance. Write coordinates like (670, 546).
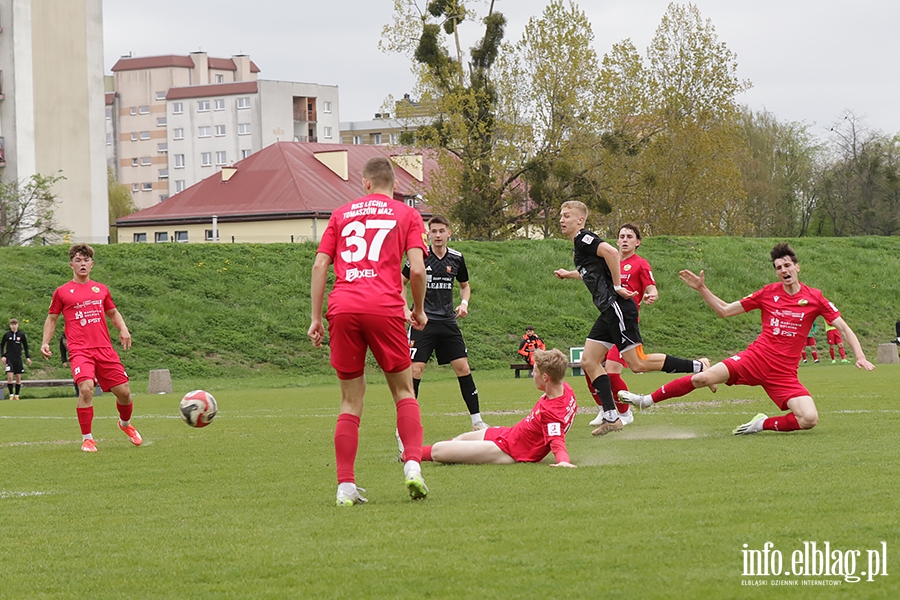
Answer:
(809, 60)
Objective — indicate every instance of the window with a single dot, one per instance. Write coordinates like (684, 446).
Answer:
(206, 159)
(220, 130)
(160, 121)
(244, 129)
(245, 153)
(357, 139)
(221, 158)
(376, 138)
(219, 104)
(220, 78)
(179, 185)
(134, 162)
(160, 95)
(134, 136)
(395, 138)
(204, 131)
(326, 107)
(327, 132)
(179, 161)
(178, 133)
(162, 147)
(140, 237)
(145, 161)
(135, 187)
(133, 110)
(145, 110)
(181, 236)
(146, 187)
(161, 237)
(163, 197)
(109, 139)
(243, 102)
(208, 235)
(163, 173)
(109, 112)
(203, 106)
(145, 135)
(177, 108)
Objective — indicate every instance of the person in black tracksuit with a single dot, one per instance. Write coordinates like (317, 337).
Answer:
(441, 334)
(11, 347)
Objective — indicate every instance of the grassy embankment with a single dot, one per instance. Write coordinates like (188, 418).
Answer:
(235, 315)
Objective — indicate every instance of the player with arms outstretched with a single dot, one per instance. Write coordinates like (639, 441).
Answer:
(85, 305)
(365, 241)
(788, 310)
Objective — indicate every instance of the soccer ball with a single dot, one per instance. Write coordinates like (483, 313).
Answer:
(198, 408)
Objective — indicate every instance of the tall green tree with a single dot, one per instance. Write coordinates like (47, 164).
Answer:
(779, 169)
(674, 120)
(27, 211)
(121, 203)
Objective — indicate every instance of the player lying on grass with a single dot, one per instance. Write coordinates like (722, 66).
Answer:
(532, 438)
(788, 309)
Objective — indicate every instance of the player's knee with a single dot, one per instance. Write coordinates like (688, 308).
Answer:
(808, 420)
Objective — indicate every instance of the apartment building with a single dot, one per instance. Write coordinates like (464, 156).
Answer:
(51, 107)
(182, 117)
(213, 126)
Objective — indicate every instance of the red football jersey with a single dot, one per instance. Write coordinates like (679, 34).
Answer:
(786, 320)
(529, 439)
(367, 240)
(83, 306)
(636, 276)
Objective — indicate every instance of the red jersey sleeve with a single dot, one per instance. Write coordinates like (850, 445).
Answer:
(646, 276)
(415, 237)
(753, 301)
(828, 309)
(108, 303)
(328, 243)
(558, 447)
(55, 304)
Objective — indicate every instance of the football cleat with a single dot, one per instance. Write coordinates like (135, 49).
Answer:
(88, 446)
(754, 425)
(132, 434)
(627, 417)
(416, 486)
(608, 427)
(598, 420)
(639, 400)
(833, 361)
(844, 361)
(480, 426)
(350, 499)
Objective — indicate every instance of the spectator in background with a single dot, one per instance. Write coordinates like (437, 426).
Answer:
(14, 342)
(530, 342)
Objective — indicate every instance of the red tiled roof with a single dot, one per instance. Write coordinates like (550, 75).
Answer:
(281, 181)
(227, 64)
(153, 62)
(174, 60)
(215, 89)
(110, 98)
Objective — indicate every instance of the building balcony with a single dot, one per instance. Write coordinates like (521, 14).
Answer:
(306, 138)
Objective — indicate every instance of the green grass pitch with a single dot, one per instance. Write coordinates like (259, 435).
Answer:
(245, 507)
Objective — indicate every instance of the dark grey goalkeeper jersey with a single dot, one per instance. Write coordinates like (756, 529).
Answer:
(440, 273)
(594, 271)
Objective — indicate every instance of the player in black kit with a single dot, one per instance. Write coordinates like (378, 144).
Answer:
(441, 335)
(597, 264)
(11, 348)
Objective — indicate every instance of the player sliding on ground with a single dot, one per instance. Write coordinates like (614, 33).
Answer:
(532, 438)
(788, 309)
(597, 264)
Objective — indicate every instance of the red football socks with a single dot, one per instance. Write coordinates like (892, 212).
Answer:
(409, 427)
(617, 383)
(85, 418)
(786, 422)
(125, 411)
(674, 389)
(346, 443)
(591, 389)
(426, 453)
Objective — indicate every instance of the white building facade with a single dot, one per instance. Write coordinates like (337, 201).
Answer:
(51, 111)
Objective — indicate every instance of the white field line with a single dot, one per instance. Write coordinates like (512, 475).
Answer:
(10, 494)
